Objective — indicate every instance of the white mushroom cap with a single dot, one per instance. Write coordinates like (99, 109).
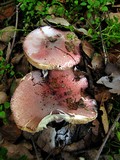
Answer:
(49, 48)
(34, 105)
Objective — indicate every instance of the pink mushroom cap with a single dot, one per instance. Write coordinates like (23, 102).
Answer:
(49, 48)
(35, 104)
(67, 86)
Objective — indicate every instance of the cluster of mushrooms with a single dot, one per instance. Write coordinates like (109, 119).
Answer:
(40, 99)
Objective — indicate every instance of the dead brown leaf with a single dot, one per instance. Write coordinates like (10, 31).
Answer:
(68, 156)
(112, 81)
(99, 92)
(91, 154)
(79, 145)
(46, 139)
(6, 10)
(112, 15)
(15, 151)
(16, 59)
(95, 128)
(58, 21)
(87, 48)
(7, 33)
(2, 46)
(104, 117)
(3, 97)
(97, 61)
(10, 132)
(23, 67)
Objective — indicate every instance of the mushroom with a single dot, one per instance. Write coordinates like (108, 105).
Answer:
(49, 48)
(67, 86)
(38, 100)
(35, 102)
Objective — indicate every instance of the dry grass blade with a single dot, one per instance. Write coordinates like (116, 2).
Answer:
(14, 36)
(106, 138)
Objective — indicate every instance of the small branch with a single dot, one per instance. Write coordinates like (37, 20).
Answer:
(14, 36)
(103, 46)
(36, 152)
(117, 6)
(6, 3)
(106, 138)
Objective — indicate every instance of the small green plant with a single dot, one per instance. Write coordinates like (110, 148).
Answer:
(3, 155)
(5, 68)
(92, 12)
(3, 111)
(118, 131)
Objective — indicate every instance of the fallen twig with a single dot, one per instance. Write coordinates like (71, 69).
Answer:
(106, 138)
(117, 5)
(14, 36)
(36, 152)
(103, 46)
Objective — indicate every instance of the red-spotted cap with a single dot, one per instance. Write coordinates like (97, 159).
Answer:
(36, 102)
(50, 48)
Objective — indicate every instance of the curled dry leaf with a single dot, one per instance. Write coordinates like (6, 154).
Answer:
(3, 97)
(67, 155)
(10, 132)
(112, 15)
(112, 68)
(95, 128)
(114, 55)
(58, 21)
(16, 59)
(46, 139)
(81, 31)
(7, 33)
(97, 62)
(79, 145)
(112, 81)
(2, 46)
(91, 154)
(6, 9)
(15, 151)
(87, 48)
(99, 92)
(104, 117)
(23, 67)
(2, 87)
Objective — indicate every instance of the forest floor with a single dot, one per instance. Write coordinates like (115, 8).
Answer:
(96, 24)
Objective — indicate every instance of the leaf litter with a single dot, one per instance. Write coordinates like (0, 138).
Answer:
(63, 141)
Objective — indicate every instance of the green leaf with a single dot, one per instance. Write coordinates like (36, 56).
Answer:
(12, 73)
(118, 135)
(89, 15)
(82, 18)
(91, 2)
(76, 2)
(8, 66)
(3, 152)
(83, 4)
(7, 105)
(104, 9)
(90, 31)
(1, 53)
(2, 114)
(1, 107)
